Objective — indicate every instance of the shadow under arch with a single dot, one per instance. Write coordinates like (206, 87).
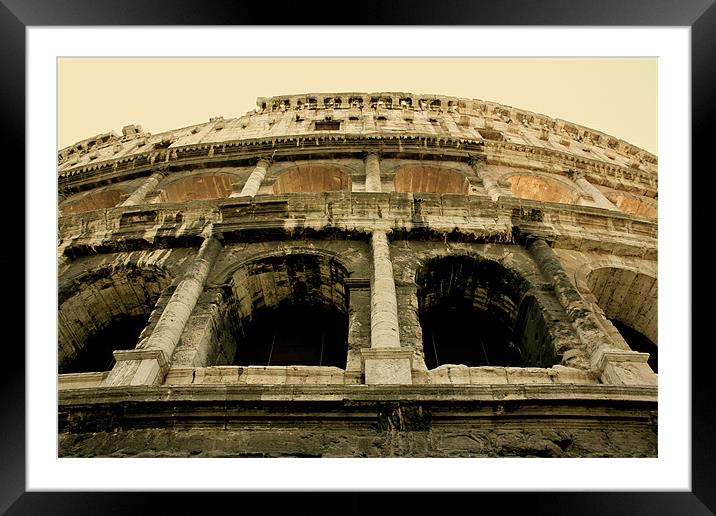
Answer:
(477, 312)
(103, 310)
(289, 309)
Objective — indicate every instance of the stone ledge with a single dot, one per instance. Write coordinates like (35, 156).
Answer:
(258, 375)
(80, 380)
(450, 374)
(359, 393)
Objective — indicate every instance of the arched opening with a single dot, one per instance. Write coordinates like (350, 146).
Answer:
(629, 300)
(205, 186)
(639, 342)
(98, 199)
(476, 312)
(306, 335)
(290, 310)
(430, 179)
(102, 311)
(539, 188)
(312, 178)
(97, 352)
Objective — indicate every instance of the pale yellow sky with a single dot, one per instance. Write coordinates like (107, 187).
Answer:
(616, 96)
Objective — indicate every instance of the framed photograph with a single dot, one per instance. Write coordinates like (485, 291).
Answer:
(429, 119)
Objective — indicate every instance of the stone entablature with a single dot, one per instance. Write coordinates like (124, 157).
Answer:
(430, 115)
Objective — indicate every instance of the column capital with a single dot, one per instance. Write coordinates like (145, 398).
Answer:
(575, 174)
(475, 160)
(369, 153)
(267, 160)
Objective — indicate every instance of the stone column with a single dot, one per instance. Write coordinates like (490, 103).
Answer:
(493, 189)
(383, 300)
(253, 183)
(148, 365)
(385, 362)
(149, 184)
(592, 190)
(613, 364)
(372, 172)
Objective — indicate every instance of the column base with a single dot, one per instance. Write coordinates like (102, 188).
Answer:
(625, 368)
(137, 367)
(387, 366)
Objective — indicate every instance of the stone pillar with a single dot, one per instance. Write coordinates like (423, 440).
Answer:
(149, 184)
(385, 362)
(493, 189)
(148, 365)
(372, 172)
(613, 364)
(253, 183)
(592, 190)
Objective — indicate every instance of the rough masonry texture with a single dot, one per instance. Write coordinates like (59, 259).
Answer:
(358, 275)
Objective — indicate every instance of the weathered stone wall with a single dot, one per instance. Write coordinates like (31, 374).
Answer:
(461, 422)
(375, 206)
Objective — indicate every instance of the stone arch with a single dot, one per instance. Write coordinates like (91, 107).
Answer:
(225, 275)
(102, 310)
(312, 178)
(541, 187)
(475, 311)
(629, 300)
(96, 199)
(203, 185)
(430, 179)
(289, 309)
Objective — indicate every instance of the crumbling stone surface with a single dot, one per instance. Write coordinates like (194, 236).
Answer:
(373, 209)
(366, 429)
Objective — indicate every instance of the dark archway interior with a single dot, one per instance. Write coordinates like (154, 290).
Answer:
(475, 312)
(294, 335)
(454, 332)
(289, 310)
(96, 355)
(103, 310)
(638, 342)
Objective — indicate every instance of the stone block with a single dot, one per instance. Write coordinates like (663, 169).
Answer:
(625, 368)
(450, 374)
(179, 376)
(222, 374)
(488, 375)
(387, 366)
(260, 375)
(571, 375)
(523, 375)
(80, 380)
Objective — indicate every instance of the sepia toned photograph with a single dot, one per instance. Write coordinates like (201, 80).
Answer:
(357, 258)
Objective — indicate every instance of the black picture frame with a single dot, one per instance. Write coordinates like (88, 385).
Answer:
(699, 15)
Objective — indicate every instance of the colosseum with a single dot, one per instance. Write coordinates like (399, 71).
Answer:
(358, 275)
